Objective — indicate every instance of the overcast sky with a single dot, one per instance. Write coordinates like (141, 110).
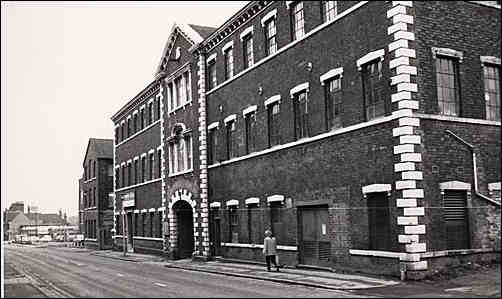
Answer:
(67, 67)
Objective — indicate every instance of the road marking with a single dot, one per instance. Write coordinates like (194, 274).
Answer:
(461, 289)
(160, 284)
(118, 274)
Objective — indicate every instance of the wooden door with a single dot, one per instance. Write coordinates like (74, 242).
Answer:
(315, 246)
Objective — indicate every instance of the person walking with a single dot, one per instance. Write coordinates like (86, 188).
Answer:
(270, 250)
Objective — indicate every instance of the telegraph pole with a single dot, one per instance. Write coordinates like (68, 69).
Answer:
(123, 231)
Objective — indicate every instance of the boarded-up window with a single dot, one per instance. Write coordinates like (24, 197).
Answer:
(456, 219)
(378, 221)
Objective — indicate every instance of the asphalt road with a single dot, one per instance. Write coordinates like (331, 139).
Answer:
(76, 273)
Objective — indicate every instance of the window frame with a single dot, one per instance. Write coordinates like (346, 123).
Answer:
(273, 124)
(122, 170)
(142, 118)
(230, 126)
(136, 162)
(229, 62)
(326, 16)
(333, 98)
(143, 168)
(233, 221)
(179, 90)
(129, 173)
(371, 86)
(301, 117)
(457, 102)
(135, 122)
(180, 147)
(212, 145)
(297, 24)
(151, 159)
(248, 50)
(159, 163)
(497, 84)
(269, 46)
(250, 131)
(150, 113)
(212, 79)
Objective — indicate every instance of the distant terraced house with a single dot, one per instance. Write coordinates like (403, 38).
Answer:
(364, 134)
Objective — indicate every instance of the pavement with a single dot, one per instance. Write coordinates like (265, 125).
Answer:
(130, 256)
(311, 278)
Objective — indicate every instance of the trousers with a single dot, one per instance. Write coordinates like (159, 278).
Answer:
(271, 258)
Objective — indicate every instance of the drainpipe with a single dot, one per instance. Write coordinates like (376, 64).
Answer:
(474, 167)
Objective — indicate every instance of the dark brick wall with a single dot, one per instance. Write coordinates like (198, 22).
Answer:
(445, 159)
(147, 196)
(104, 183)
(460, 25)
(312, 15)
(142, 143)
(173, 64)
(332, 170)
(355, 35)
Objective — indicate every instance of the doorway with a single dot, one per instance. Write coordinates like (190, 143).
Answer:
(215, 236)
(130, 247)
(184, 225)
(315, 246)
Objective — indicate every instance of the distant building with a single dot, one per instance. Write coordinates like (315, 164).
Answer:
(73, 220)
(17, 206)
(95, 207)
(15, 218)
(12, 222)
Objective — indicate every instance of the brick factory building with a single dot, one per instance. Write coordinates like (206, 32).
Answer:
(95, 186)
(146, 132)
(365, 134)
(138, 178)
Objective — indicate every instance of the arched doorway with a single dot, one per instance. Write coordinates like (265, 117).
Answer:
(184, 226)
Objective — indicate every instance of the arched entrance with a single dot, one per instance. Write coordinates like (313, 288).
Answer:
(184, 225)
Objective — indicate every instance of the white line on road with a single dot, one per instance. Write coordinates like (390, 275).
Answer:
(160, 284)
(460, 289)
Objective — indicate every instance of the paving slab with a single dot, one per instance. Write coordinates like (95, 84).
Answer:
(131, 257)
(312, 278)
